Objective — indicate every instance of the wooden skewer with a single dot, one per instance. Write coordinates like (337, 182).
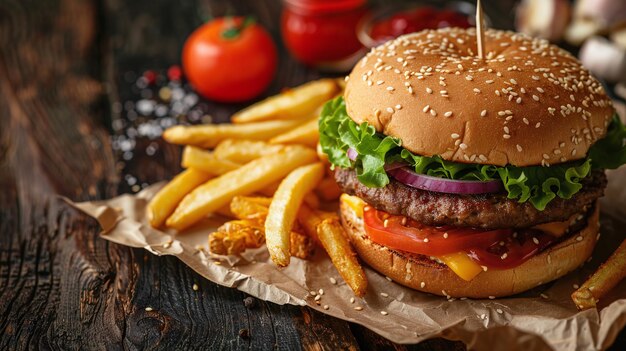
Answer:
(480, 33)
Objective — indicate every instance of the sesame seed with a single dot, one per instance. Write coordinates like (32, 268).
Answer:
(398, 107)
(445, 235)
(352, 300)
(391, 88)
(422, 285)
(195, 287)
(380, 82)
(455, 136)
(504, 256)
(384, 313)
(544, 296)
(499, 311)
(326, 307)
(448, 114)
(506, 129)
(429, 90)
(385, 223)
(469, 77)
(148, 309)
(519, 147)
(539, 89)
(333, 280)
(489, 81)
(477, 91)
(389, 279)
(513, 81)
(384, 294)
(535, 97)
(426, 108)
(318, 297)
(501, 113)
(483, 113)
(390, 109)
(572, 97)
(579, 238)
(575, 286)
(535, 78)
(426, 240)
(519, 100)
(485, 268)
(536, 241)
(433, 112)
(463, 146)
(358, 308)
(538, 125)
(506, 136)
(491, 297)
(313, 293)
(321, 291)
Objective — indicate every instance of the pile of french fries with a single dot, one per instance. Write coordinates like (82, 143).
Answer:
(264, 172)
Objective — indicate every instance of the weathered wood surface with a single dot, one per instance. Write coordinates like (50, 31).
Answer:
(61, 287)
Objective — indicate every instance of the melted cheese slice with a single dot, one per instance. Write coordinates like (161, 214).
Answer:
(556, 229)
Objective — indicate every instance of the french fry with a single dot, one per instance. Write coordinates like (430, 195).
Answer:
(295, 103)
(328, 189)
(608, 275)
(325, 228)
(302, 246)
(245, 180)
(165, 201)
(330, 233)
(244, 151)
(306, 134)
(312, 200)
(284, 208)
(208, 136)
(246, 207)
(269, 190)
(206, 161)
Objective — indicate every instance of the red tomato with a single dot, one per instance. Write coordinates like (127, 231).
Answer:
(229, 60)
(321, 39)
(400, 233)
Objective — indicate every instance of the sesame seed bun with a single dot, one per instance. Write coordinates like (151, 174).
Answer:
(412, 270)
(527, 103)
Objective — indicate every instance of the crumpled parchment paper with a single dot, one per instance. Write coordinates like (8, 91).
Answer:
(542, 319)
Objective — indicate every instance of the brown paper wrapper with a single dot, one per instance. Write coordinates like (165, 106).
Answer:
(542, 319)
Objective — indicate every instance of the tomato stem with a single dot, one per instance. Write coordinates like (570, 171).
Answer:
(233, 31)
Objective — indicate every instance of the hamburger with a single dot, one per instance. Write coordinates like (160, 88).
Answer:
(469, 177)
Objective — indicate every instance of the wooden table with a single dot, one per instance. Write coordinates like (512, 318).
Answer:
(63, 78)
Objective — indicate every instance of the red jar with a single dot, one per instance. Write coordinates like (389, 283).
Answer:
(322, 33)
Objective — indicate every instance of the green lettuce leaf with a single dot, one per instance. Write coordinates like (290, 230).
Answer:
(536, 184)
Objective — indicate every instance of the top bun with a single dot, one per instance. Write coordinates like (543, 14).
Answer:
(527, 103)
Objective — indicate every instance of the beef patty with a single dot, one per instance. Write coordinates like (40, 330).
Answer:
(488, 211)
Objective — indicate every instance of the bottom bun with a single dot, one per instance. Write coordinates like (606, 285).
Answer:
(421, 273)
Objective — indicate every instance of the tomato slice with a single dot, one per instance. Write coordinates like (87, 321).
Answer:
(498, 249)
(513, 251)
(401, 233)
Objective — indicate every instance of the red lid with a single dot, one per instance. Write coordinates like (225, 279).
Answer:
(323, 6)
